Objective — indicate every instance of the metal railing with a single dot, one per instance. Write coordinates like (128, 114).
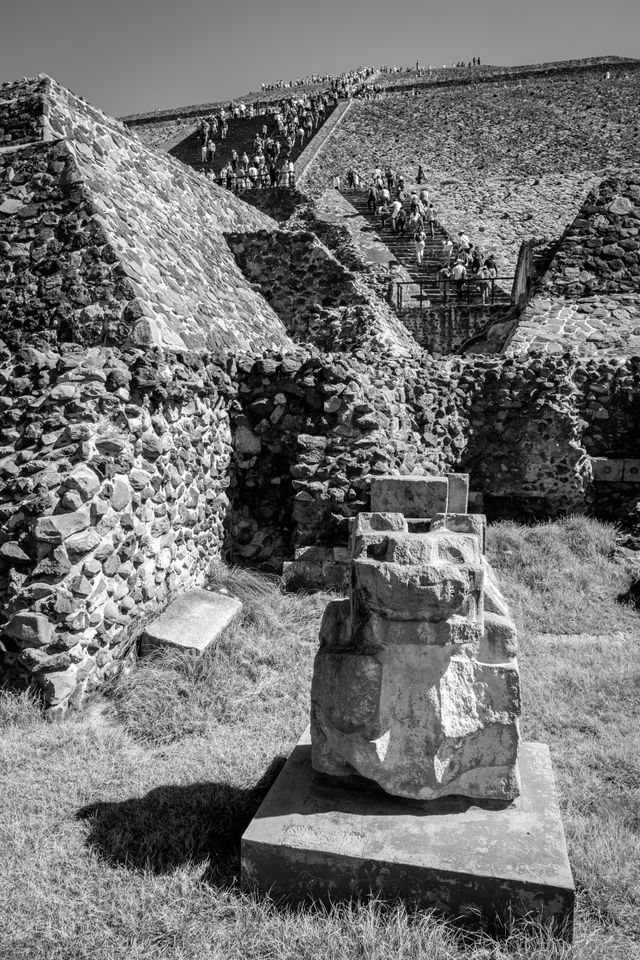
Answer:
(478, 291)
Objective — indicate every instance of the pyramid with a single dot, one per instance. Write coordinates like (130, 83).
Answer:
(105, 238)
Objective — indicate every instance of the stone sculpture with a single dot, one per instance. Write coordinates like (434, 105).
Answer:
(416, 685)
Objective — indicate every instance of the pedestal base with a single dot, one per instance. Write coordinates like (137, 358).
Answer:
(313, 841)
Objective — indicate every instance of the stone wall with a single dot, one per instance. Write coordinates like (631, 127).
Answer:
(61, 277)
(314, 431)
(112, 496)
(24, 112)
(320, 302)
(589, 298)
(598, 253)
(311, 432)
(116, 468)
(443, 330)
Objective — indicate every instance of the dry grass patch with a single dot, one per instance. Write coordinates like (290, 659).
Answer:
(120, 828)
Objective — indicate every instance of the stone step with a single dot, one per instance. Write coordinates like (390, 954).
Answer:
(192, 622)
(403, 250)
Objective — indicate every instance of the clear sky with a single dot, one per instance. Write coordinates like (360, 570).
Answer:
(133, 55)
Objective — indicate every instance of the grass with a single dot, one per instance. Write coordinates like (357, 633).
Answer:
(120, 827)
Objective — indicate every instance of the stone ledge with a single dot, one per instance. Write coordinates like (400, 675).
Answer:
(312, 841)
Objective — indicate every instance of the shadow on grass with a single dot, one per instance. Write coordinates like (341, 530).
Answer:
(172, 826)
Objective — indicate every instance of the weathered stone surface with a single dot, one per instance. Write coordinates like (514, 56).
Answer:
(413, 689)
(55, 529)
(458, 500)
(58, 685)
(313, 841)
(475, 523)
(192, 622)
(411, 496)
(32, 629)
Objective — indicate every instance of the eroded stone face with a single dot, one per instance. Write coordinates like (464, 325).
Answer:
(414, 687)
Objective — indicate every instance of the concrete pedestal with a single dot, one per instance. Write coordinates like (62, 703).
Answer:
(313, 840)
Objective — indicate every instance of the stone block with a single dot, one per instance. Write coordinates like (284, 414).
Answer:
(31, 629)
(313, 840)
(606, 470)
(458, 492)
(476, 501)
(411, 496)
(440, 547)
(192, 622)
(499, 640)
(631, 471)
(475, 523)
(405, 592)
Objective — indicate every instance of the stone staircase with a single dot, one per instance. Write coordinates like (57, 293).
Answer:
(403, 250)
(402, 247)
(240, 136)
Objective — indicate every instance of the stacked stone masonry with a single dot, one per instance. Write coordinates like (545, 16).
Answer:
(112, 500)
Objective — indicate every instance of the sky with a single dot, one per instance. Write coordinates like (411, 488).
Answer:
(129, 56)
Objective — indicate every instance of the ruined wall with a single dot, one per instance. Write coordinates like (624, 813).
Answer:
(320, 302)
(113, 471)
(315, 431)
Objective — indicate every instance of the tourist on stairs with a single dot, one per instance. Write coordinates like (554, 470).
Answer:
(420, 238)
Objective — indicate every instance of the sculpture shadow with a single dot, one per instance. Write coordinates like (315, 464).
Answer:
(172, 826)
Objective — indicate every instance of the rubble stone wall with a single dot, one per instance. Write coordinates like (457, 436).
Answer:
(319, 301)
(23, 112)
(112, 499)
(314, 432)
(60, 275)
(124, 475)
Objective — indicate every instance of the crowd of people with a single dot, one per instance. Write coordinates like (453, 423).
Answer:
(417, 69)
(343, 84)
(270, 162)
(403, 212)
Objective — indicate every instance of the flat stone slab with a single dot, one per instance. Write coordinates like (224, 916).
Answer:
(192, 622)
(412, 496)
(315, 840)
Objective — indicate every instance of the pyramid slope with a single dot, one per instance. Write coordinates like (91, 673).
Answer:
(590, 295)
(179, 286)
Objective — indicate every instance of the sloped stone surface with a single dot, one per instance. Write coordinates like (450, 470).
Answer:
(166, 277)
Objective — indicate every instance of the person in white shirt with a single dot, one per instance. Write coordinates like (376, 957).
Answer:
(420, 239)
(396, 207)
(459, 275)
